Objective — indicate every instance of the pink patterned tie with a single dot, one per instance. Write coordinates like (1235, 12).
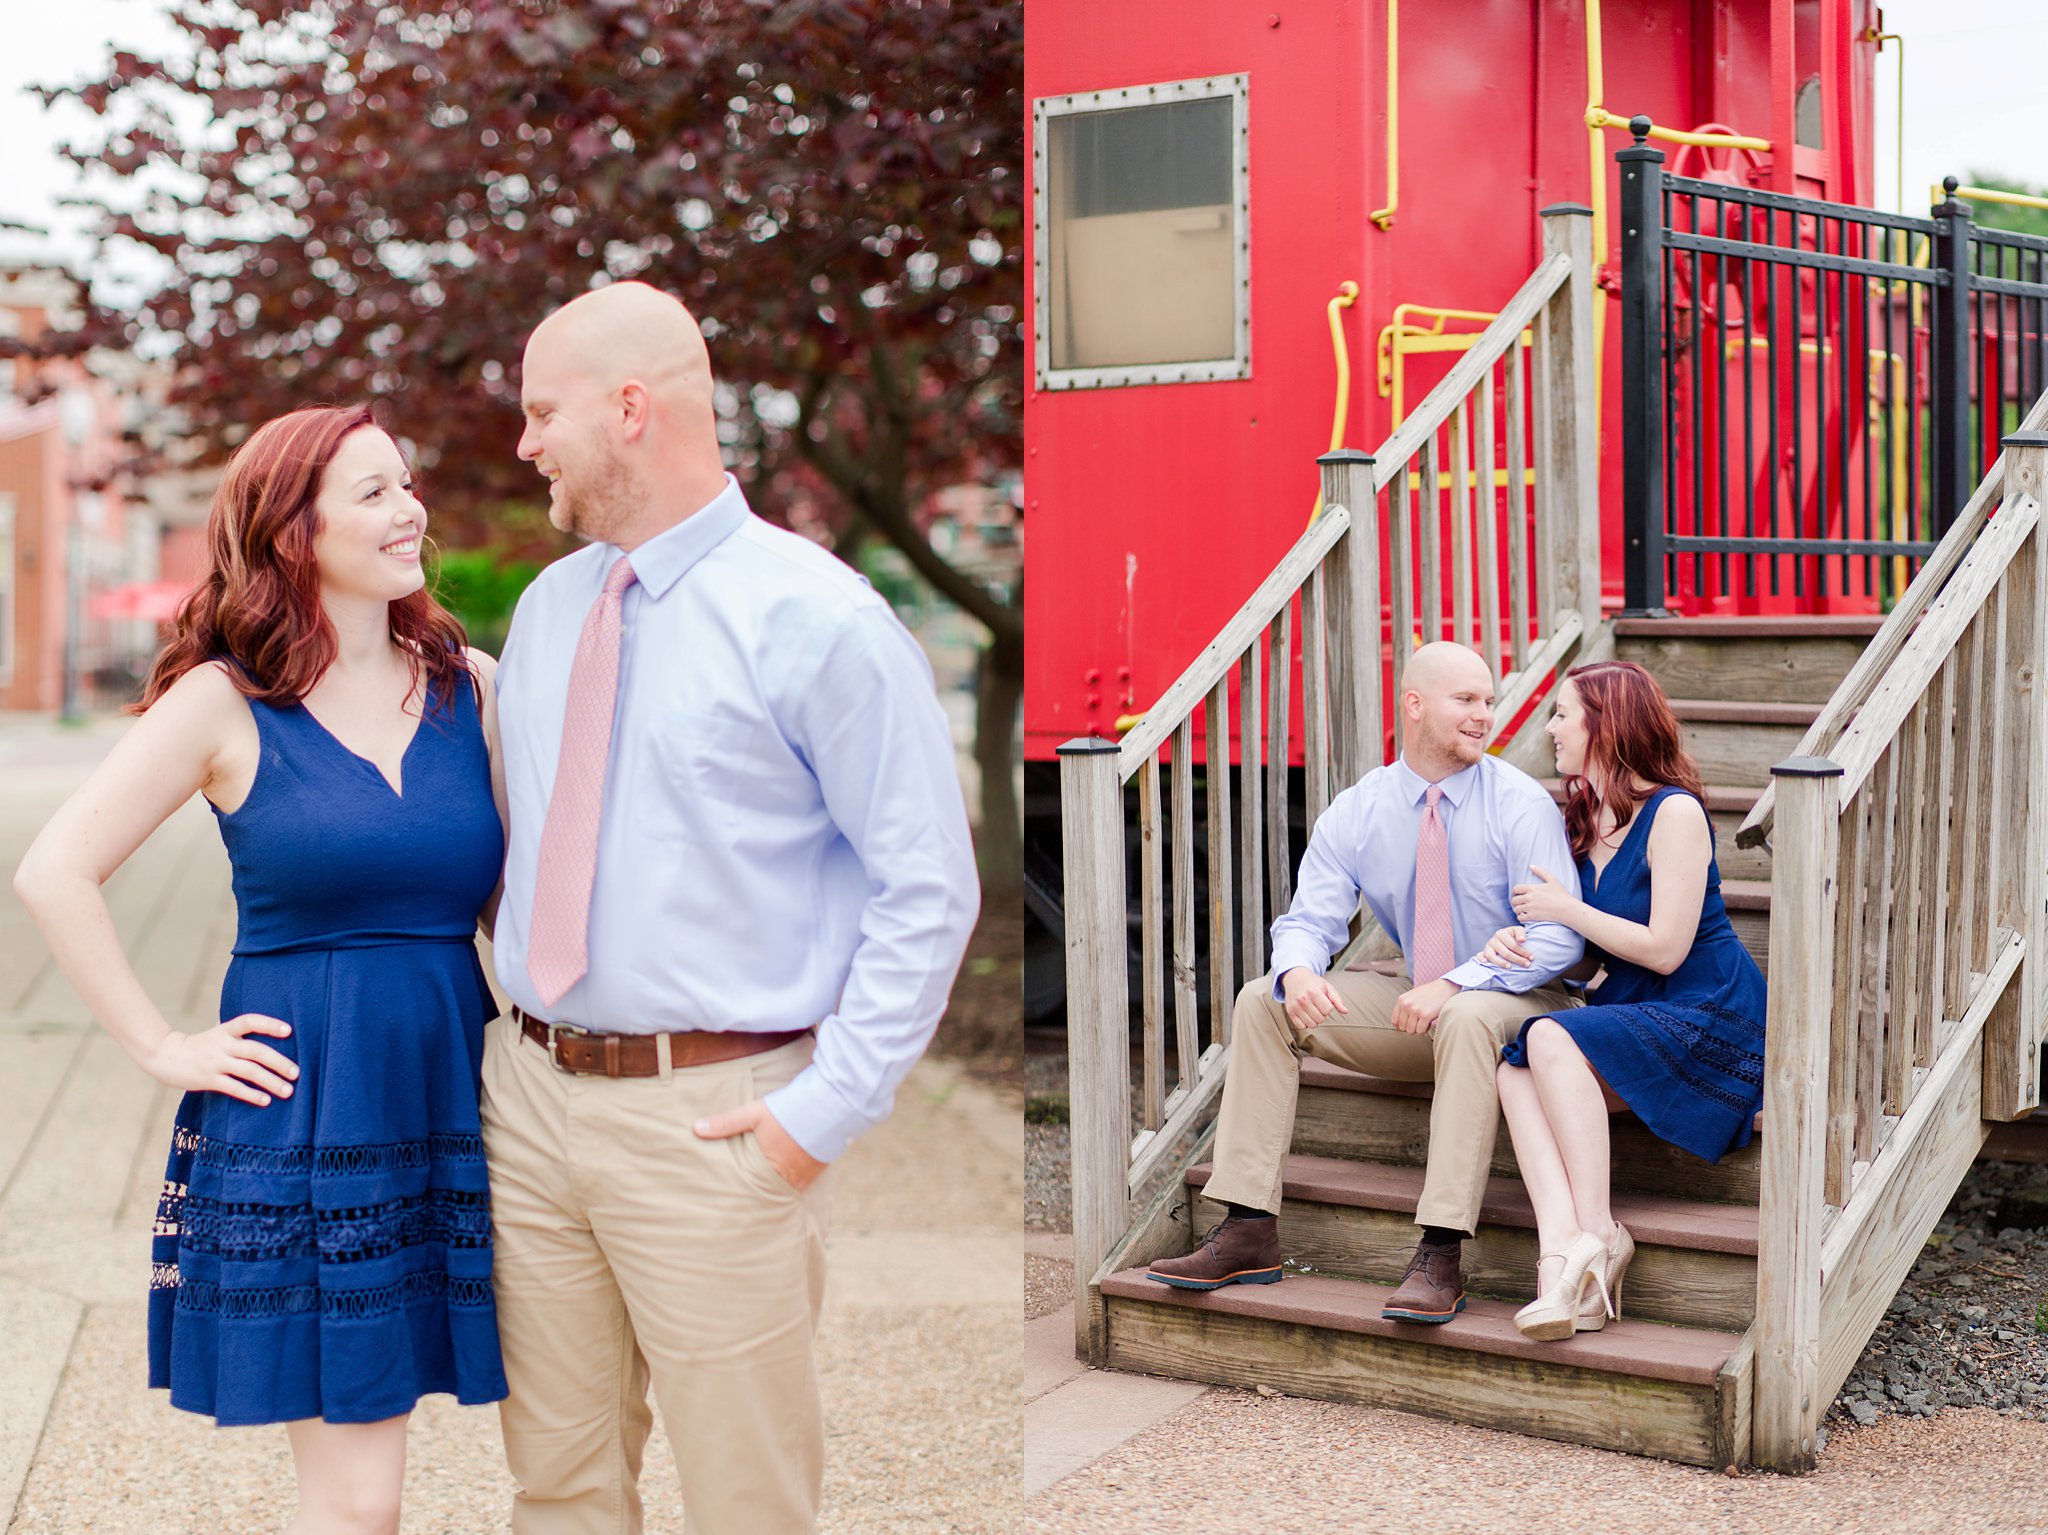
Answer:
(1431, 948)
(558, 945)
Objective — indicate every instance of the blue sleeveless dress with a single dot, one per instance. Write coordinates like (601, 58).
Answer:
(328, 1255)
(1686, 1050)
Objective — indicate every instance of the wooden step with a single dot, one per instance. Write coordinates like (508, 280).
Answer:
(1348, 1114)
(1695, 1261)
(1784, 660)
(1728, 806)
(1749, 913)
(1636, 1386)
(1737, 742)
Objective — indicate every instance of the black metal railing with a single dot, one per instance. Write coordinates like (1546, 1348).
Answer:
(1810, 389)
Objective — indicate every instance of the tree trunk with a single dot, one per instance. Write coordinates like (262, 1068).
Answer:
(999, 690)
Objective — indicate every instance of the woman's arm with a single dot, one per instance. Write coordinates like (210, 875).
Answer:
(1681, 846)
(486, 666)
(198, 737)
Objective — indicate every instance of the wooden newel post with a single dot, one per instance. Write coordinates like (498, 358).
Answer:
(1098, 1013)
(1805, 859)
(1354, 619)
(1567, 456)
(2013, 1036)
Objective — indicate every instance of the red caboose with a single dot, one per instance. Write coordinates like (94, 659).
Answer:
(1262, 233)
(1208, 179)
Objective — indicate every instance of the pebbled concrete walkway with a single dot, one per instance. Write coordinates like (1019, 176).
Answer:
(919, 1348)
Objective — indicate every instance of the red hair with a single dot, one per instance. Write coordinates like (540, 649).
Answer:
(259, 601)
(1634, 737)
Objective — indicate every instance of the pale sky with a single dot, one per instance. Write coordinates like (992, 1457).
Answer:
(1976, 99)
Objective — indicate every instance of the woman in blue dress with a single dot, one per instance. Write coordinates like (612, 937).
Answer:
(322, 1252)
(1674, 1027)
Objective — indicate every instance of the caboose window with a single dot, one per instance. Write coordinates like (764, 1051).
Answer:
(1140, 239)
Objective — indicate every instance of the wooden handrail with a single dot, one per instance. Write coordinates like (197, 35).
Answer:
(1870, 734)
(1890, 638)
(1908, 940)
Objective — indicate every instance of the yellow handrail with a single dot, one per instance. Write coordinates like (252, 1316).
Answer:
(1383, 217)
(1990, 195)
(1600, 117)
(1347, 295)
(1872, 35)
(1597, 118)
(1400, 336)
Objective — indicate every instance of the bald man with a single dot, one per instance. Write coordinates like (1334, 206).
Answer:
(1433, 842)
(738, 882)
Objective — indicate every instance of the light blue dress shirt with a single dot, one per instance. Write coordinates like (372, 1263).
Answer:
(783, 840)
(1498, 821)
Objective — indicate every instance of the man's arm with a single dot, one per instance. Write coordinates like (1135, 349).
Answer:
(1318, 923)
(1534, 833)
(876, 738)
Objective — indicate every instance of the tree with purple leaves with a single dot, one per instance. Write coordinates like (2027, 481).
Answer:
(386, 195)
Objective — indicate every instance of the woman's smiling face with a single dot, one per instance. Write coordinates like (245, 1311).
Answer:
(370, 523)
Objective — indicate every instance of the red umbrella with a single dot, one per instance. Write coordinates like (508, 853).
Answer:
(156, 601)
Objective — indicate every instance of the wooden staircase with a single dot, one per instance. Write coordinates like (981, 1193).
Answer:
(1669, 1379)
(1896, 864)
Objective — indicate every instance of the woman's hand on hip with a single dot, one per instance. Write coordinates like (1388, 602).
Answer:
(227, 1059)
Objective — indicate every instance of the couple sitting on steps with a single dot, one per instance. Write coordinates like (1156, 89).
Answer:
(1498, 902)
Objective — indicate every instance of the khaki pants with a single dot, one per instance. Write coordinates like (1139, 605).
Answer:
(1459, 1054)
(628, 1249)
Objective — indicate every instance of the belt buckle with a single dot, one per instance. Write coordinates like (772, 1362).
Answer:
(555, 1033)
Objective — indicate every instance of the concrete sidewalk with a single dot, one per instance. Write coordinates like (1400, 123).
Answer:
(919, 1348)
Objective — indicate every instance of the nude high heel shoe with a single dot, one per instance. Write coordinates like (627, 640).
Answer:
(1621, 1247)
(1555, 1313)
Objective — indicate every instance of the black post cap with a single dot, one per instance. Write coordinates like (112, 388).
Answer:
(1346, 456)
(2024, 440)
(1640, 127)
(1085, 746)
(1807, 767)
(1575, 208)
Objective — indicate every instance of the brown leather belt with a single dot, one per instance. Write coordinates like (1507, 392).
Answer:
(637, 1055)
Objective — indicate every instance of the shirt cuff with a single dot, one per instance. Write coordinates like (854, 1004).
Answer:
(814, 1116)
(1287, 956)
(1473, 976)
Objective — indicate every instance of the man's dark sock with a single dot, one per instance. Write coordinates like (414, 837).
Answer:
(1246, 1212)
(1441, 1236)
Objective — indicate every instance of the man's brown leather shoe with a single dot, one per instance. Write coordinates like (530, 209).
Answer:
(1433, 1289)
(1240, 1249)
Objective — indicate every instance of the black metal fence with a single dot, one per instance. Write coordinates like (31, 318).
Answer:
(1811, 390)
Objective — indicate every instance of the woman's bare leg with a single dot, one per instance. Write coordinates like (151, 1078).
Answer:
(1575, 1108)
(1542, 1167)
(350, 1476)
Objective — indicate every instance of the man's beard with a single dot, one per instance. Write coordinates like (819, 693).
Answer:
(603, 504)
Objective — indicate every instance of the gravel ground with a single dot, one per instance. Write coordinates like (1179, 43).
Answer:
(1232, 1460)
(1970, 1326)
(1048, 1148)
(1048, 1286)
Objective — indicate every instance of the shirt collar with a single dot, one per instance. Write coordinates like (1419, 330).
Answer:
(667, 557)
(1414, 785)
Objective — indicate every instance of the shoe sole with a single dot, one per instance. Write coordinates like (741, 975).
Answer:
(1435, 1318)
(1242, 1276)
